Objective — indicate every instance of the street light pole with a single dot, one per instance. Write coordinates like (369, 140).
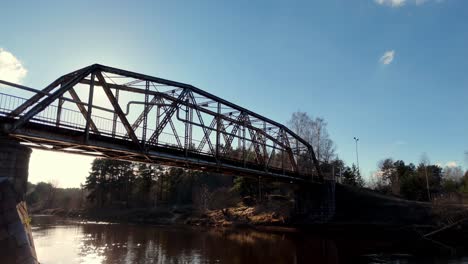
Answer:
(357, 154)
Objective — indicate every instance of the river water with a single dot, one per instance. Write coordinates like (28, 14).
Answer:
(69, 241)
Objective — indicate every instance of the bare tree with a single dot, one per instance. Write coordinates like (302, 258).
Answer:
(54, 184)
(453, 173)
(315, 132)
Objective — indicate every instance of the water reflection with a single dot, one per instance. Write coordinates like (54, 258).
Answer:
(60, 241)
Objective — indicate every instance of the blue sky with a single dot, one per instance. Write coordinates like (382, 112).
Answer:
(326, 58)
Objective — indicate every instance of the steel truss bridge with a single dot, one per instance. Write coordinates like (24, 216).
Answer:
(113, 113)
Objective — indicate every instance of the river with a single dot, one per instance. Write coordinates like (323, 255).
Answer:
(60, 240)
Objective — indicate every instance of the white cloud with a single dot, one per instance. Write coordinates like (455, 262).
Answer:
(392, 3)
(11, 69)
(400, 3)
(387, 57)
(451, 164)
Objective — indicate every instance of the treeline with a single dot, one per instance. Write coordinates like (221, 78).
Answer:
(423, 182)
(123, 184)
(46, 195)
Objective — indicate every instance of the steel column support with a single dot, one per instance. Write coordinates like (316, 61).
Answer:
(218, 131)
(59, 111)
(90, 108)
(114, 118)
(145, 113)
(187, 129)
(158, 110)
(243, 143)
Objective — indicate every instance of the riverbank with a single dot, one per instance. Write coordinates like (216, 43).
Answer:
(271, 213)
(359, 211)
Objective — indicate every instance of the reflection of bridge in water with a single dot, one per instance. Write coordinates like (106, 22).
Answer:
(107, 112)
(112, 113)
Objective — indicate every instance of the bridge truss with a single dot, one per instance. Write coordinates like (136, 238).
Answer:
(113, 113)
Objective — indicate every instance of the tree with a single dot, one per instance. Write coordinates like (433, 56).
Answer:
(464, 183)
(395, 174)
(145, 175)
(432, 175)
(453, 172)
(452, 179)
(351, 176)
(245, 186)
(389, 176)
(110, 180)
(315, 132)
(409, 181)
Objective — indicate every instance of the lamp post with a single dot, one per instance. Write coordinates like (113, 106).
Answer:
(357, 155)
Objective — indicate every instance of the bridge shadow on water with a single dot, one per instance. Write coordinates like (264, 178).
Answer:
(59, 241)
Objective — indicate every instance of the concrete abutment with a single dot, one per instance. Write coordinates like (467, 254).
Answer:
(16, 242)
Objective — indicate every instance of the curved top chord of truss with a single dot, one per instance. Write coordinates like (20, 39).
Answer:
(109, 112)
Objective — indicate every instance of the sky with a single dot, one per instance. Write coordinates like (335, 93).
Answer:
(391, 72)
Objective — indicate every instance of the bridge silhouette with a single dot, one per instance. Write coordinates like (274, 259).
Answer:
(118, 114)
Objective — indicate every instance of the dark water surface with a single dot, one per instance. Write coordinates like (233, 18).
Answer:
(70, 241)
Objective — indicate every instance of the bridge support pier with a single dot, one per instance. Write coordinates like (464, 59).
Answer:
(315, 202)
(16, 242)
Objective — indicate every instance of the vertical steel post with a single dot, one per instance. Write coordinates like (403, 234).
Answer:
(218, 129)
(187, 127)
(190, 127)
(114, 120)
(59, 109)
(90, 106)
(158, 112)
(239, 141)
(145, 113)
(264, 140)
(243, 142)
(282, 150)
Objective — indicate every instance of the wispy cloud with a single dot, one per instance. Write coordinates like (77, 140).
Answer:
(400, 3)
(451, 164)
(387, 57)
(392, 3)
(11, 69)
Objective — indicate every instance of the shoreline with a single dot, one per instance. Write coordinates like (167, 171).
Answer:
(332, 229)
